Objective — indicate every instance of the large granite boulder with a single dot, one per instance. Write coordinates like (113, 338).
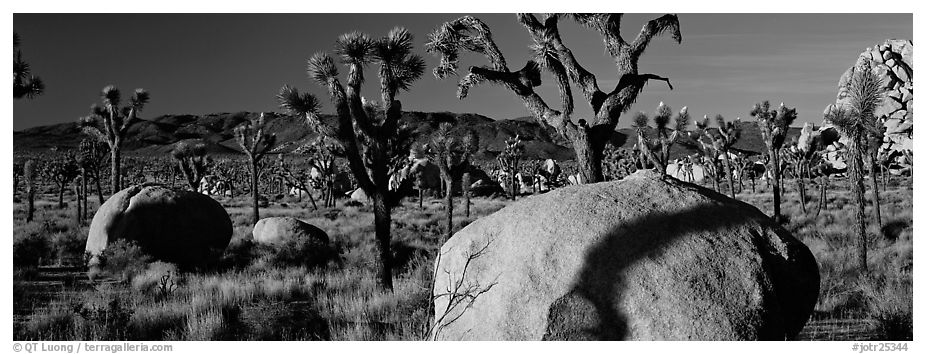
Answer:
(635, 259)
(175, 226)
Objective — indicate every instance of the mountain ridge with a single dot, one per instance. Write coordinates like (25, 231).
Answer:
(158, 135)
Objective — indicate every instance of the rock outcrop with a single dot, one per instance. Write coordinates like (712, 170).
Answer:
(175, 226)
(637, 259)
(892, 62)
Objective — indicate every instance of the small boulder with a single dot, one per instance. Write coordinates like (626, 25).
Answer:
(278, 230)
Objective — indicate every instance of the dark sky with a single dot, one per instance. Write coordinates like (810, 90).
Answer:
(202, 63)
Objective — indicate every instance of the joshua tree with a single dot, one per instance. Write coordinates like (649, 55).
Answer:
(62, 171)
(24, 83)
(109, 123)
(865, 94)
(452, 155)
(322, 152)
(509, 161)
(369, 133)
(774, 126)
(722, 139)
(293, 178)
(92, 154)
(588, 136)
(193, 161)
(656, 148)
(29, 175)
(255, 144)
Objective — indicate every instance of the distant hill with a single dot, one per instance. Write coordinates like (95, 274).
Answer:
(158, 135)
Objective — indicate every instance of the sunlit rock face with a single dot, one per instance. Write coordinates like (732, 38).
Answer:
(643, 258)
(892, 62)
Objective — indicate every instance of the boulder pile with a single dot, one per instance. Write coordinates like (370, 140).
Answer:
(892, 62)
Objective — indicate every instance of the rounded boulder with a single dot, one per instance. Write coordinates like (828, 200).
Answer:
(279, 230)
(642, 258)
(175, 226)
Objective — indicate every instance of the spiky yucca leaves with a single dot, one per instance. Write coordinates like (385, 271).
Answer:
(452, 154)
(193, 161)
(865, 95)
(256, 144)
(774, 125)
(722, 139)
(588, 136)
(373, 140)
(25, 85)
(109, 123)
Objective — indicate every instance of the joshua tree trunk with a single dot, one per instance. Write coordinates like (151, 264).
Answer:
(254, 193)
(861, 242)
(79, 216)
(61, 196)
(30, 194)
(588, 158)
(99, 186)
(85, 194)
(465, 184)
(382, 216)
(776, 184)
(420, 198)
(116, 170)
(729, 169)
(875, 197)
(821, 204)
(800, 187)
(448, 207)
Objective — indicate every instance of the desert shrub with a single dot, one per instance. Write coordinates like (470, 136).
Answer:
(123, 259)
(159, 278)
(239, 254)
(103, 318)
(299, 251)
(890, 305)
(30, 248)
(278, 320)
(69, 246)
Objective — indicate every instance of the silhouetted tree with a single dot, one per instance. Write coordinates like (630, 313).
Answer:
(452, 155)
(722, 139)
(588, 136)
(62, 170)
(193, 162)
(774, 126)
(255, 143)
(657, 148)
(24, 83)
(370, 133)
(509, 161)
(110, 122)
